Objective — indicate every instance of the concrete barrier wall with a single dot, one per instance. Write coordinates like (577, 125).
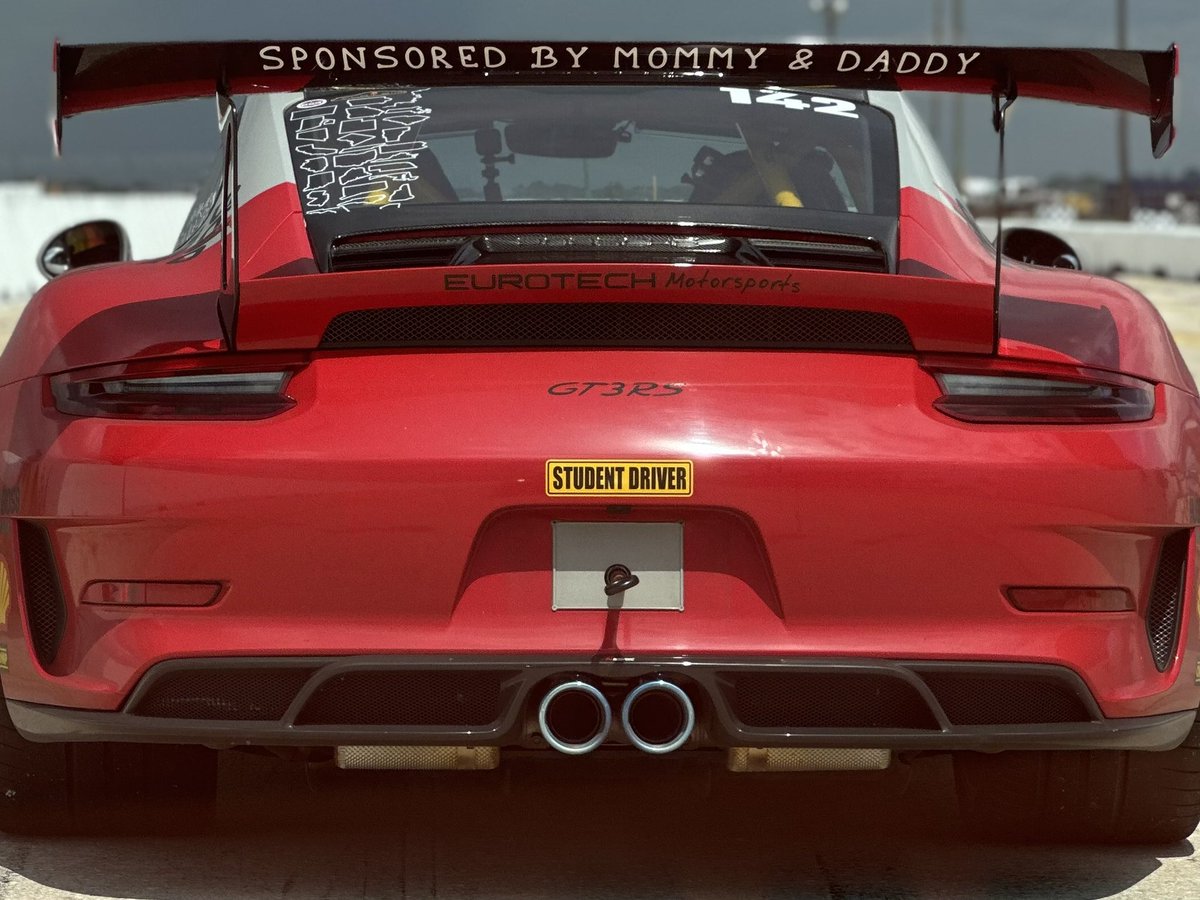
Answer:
(1111, 247)
(29, 217)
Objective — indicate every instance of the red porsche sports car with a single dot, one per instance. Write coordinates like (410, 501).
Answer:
(626, 398)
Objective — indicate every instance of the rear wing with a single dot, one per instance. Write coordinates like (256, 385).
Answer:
(105, 76)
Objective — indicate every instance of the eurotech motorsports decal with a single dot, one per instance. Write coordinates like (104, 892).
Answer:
(619, 477)
(490, 282)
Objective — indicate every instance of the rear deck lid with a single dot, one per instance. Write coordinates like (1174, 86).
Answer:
(595, 305)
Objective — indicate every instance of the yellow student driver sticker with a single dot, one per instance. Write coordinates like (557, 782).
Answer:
(619, 477)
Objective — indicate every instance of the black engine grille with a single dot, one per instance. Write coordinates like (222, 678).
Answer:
(45, 608)
(1166, 595)
(406, 698)
(242, 695)
(985, 699)
(711, 325)
(829, 700)
(879, 700)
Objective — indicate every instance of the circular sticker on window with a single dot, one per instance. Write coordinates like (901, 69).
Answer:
(310, 104)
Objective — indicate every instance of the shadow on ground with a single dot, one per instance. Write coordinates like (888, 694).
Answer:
(565, 828)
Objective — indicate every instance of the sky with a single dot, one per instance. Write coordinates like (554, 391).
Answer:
(176, 141)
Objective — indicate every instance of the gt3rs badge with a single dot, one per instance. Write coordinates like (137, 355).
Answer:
(619, 477)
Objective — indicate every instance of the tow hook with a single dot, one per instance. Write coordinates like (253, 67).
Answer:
(618, 578)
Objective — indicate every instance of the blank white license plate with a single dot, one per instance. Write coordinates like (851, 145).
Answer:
(583, 552)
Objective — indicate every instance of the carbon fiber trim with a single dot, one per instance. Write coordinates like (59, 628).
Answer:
(708, 679)
(761, 701)
(850, 254)
(712, 683)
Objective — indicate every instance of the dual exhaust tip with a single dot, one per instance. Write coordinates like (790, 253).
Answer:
(657, 716)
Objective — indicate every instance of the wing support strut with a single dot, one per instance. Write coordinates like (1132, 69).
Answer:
(228, 117)
(1002, 99)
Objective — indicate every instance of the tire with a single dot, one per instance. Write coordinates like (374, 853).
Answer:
(81, 788)
(1096, 796)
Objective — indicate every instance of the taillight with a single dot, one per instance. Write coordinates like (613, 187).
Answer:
(183, 394)
(1070, 397)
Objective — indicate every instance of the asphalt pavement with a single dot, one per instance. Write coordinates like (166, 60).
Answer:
(1179, 304)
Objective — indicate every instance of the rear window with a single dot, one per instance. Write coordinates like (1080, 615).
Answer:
(679, 145)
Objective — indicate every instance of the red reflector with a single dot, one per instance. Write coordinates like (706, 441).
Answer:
(151, 593)
(1070, 599)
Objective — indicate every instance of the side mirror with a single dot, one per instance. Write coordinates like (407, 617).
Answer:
(83, 245)
(1041, 248)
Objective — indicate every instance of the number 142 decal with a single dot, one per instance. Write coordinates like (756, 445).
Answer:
(827, 105)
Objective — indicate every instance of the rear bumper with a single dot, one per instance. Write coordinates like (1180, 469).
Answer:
(323, 702)
(401, 510)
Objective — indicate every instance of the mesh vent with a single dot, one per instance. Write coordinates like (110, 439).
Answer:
(243, 695)
(980, 699)
(618, 325)
(1164, 612)
(815, 700)
(453, 699)
(45, 608)
(428, 759)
